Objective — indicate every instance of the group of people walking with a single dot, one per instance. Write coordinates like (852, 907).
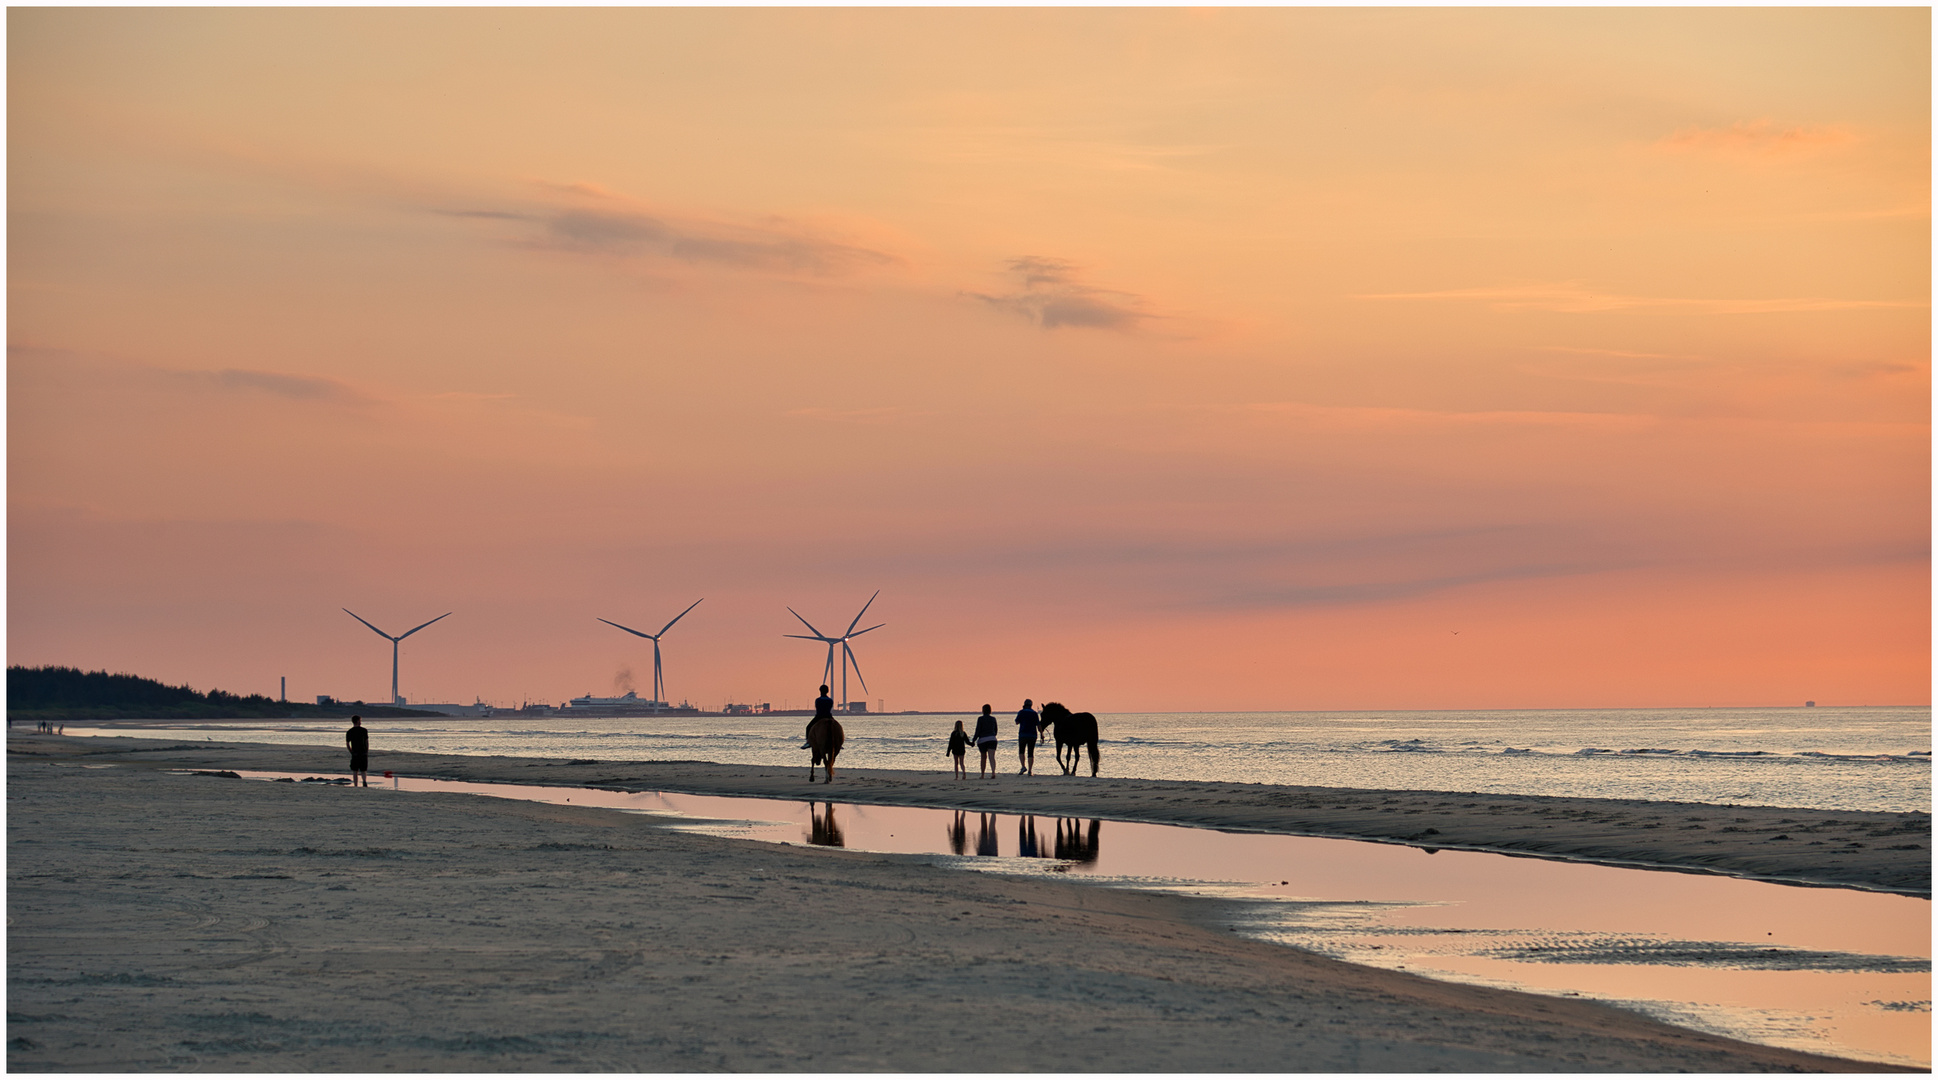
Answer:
(1030, 725)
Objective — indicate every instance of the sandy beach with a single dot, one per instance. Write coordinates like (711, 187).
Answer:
(159, 920)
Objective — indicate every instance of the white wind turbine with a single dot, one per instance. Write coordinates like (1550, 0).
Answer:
(659, 687)
(847, 653)
(395, 697)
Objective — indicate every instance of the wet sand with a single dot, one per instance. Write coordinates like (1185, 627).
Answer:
(1862, 849)
(168, 921)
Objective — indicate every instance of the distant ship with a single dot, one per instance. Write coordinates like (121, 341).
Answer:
(629, 704)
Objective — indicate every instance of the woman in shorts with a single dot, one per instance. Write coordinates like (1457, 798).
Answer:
(986, 743)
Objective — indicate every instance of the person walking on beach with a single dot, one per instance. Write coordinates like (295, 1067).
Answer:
(986, 744)
(958, 745)
(1027, 725)
(358, 740)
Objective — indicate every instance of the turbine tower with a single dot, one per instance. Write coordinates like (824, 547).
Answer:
(847, 653)
(395, 697)
(659, 687)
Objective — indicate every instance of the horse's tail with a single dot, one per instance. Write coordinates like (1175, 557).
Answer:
(1088, 735)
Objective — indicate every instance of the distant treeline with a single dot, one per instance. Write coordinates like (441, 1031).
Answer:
(65, 693)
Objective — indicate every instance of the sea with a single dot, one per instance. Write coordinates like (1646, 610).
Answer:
(1824, 758)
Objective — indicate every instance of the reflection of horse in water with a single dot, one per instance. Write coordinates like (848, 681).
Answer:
(1074, 731)
(1071, 843)
(822, 829)
(824, 737)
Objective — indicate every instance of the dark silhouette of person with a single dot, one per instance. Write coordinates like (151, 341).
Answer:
(823, 710)
(986, 744)
(358, 740)
(958, 746)
(1026, 845)
(959, 832)
(1027, 725)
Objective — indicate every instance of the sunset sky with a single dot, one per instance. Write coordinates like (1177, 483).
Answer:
(1144, 359)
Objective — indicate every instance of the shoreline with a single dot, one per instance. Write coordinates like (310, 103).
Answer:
(1872, 850)
(169, 921)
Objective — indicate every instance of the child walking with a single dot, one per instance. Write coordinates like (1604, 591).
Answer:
(959, 745)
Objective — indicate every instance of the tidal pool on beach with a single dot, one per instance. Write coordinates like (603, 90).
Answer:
(1834, 971)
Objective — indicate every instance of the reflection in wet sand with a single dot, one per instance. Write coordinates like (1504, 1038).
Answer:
(959, 834)
(822, 829)
(1026, 837)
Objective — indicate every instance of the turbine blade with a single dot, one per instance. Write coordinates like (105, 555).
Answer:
(807, 624)
(415, 629)
(657, 681)
(863, 611)
(858, 633)
(366, 622)
(677, 618)
(627, 629)
(857, 664)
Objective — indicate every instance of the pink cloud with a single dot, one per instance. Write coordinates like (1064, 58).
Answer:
(1573, 296)
(1756, 138)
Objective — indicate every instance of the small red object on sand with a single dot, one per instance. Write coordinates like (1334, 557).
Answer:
(386, 774)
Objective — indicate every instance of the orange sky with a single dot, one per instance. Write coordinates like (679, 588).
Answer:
(1144, 359)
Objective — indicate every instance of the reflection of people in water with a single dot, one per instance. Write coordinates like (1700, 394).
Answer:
(822, 829)
(959, 834)
(1071, 843)
(1026, 837)
(986, 835)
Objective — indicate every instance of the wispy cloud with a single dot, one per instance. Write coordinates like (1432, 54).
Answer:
(279, 384)
(1620, 354)
(1757, 139)
(594, 221)
(1573, 296)
(1357, 593)
(883, 415)
(1370, 416)
(1052, 297)
(1352, 569)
